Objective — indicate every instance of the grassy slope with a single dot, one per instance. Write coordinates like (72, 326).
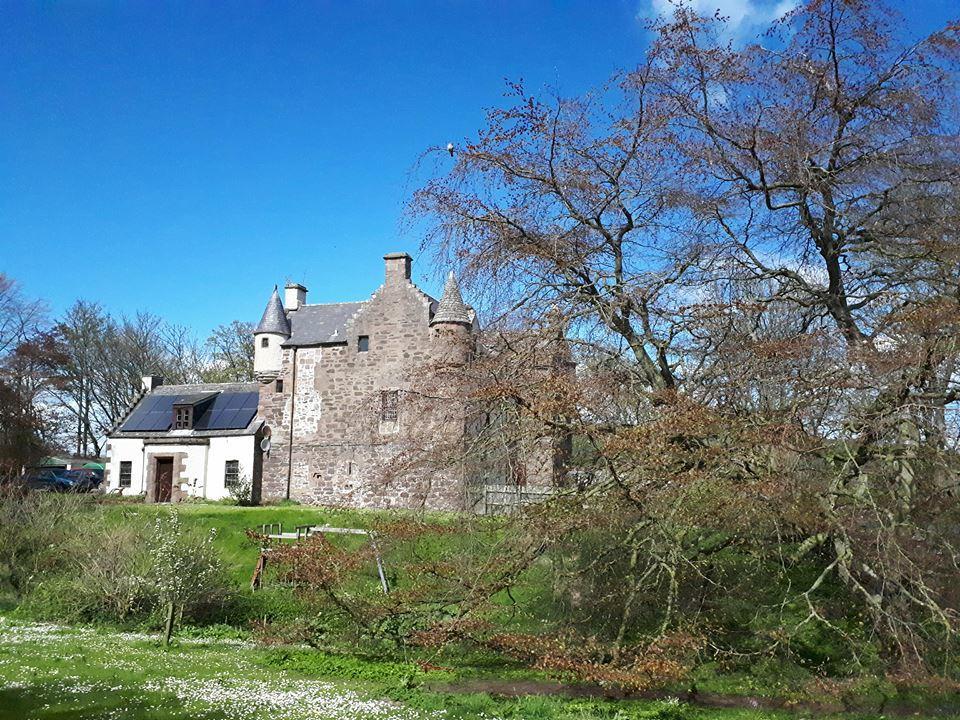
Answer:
(231, 522)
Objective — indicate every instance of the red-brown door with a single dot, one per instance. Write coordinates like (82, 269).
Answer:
(164, 479)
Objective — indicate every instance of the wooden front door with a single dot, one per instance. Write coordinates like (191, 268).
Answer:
(164, 479)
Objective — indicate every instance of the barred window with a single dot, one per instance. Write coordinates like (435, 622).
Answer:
(389, 399)
(126, 473)
(231, 473)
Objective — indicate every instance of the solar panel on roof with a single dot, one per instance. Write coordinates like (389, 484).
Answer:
(136, 417)
(225, 411)
(228, 411)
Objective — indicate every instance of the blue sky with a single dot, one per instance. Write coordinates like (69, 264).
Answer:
(182, 157)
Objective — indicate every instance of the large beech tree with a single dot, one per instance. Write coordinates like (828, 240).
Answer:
(755, 253)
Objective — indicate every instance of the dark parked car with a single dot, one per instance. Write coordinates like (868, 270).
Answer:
(59, 480)
(84, 479)
(48, 480)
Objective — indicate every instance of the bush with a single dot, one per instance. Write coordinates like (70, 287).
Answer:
(36, 527)
(104, 581)
(241, 492)
(64, 561)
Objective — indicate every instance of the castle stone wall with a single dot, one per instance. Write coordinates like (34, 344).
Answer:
(341, 453)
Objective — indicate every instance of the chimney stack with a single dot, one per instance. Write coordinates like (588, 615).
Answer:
(151, 382)
(398, 267)
(294, 296)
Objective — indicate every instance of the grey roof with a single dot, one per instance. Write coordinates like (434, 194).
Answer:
(274, 319)
(321, 324)
(452, 308)
(206, 388)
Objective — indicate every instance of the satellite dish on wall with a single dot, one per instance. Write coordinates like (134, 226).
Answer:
(265, 445)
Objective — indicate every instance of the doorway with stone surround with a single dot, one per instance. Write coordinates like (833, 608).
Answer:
(163, 487)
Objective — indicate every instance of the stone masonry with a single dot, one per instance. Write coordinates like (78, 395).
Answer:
(337, 402)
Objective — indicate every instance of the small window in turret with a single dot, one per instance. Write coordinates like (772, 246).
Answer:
(363, 343)
(265, 342)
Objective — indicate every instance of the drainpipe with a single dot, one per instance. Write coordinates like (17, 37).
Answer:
(206, 466)
(143, 471)
(293, 407)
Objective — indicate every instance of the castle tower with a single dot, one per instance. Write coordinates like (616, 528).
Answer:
(268, 337)
(452, 324)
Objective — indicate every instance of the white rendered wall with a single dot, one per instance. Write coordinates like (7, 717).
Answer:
(126, 449)
(240, 448)
(204, 465)
(267, 359)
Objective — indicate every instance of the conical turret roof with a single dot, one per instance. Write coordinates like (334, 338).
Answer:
(451, 308)
(274, 318)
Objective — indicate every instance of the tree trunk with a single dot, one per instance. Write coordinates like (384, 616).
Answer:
(168, 626)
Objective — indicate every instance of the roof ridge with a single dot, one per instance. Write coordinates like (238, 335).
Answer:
(344, 302)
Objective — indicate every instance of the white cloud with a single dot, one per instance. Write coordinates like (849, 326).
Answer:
(743, 16)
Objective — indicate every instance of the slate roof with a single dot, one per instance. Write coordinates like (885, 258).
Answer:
(452, 308)
(320, 324)
(274, 318)
(206, 388)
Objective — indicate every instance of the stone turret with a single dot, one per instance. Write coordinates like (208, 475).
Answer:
(452, 324)
(268, 337)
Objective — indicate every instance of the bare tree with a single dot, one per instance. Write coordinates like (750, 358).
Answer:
(754, 251)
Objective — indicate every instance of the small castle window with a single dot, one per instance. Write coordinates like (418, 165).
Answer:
(265, 342)
(363, 343)
(126, 473)
(389, 400)
(231, 473)
(279, 386)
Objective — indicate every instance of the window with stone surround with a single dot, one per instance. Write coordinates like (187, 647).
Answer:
(389, 401)
(279, 386)
(265, 342)
(231, 473)
(363, 343)
(126, 473)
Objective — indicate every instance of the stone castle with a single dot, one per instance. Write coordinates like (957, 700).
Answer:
(355, 404)
(334, 384)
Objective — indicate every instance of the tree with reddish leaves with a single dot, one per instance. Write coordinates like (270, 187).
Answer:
(754, 252)
(28, 356)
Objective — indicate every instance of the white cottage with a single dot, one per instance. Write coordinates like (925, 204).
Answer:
(180, 441)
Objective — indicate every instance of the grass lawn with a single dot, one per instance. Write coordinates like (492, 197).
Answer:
(51, 671)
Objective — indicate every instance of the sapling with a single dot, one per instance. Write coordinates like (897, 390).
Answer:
(181, 570)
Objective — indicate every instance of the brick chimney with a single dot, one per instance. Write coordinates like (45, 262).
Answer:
(294, 295)
(398, 268)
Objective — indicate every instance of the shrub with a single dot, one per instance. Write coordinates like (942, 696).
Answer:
(241, 492)
(36, 529)
(104, 579)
